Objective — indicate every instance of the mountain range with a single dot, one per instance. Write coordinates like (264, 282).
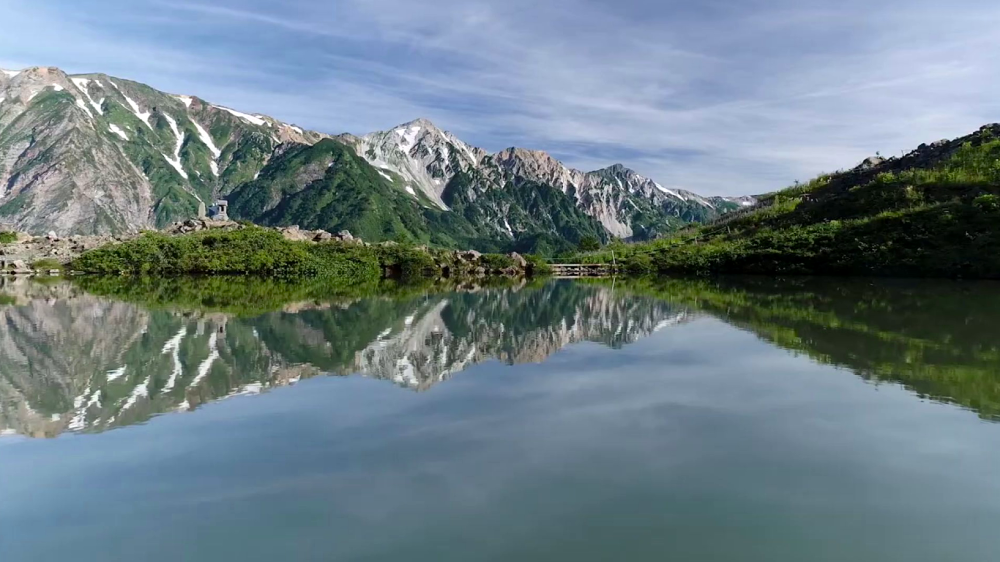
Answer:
(94, 154)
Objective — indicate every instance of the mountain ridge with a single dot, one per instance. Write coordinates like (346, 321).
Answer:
(96, 154)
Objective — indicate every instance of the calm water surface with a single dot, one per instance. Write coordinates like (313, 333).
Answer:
(752, 419)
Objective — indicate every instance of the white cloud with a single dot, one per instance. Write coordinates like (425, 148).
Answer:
(719, 99)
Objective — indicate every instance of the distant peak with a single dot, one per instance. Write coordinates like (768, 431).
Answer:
(617, 170)
(517, 152)
(421, 122)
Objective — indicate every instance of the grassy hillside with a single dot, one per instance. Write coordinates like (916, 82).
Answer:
(932, 213)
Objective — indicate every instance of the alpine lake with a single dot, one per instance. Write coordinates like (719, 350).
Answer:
(727, 419)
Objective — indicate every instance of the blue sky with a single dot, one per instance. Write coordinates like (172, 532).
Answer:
(720, 96)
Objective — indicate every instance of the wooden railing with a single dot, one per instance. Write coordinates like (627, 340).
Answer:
(582, 269)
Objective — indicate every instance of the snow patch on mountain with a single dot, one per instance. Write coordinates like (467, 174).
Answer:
(82, 84)
(207, 140)
(10, 73)
(408, 136)
(83, 106)
(186, 100)
(118, 131)
(136, 110)
(115, 374)
(175, 161)
(252, 119)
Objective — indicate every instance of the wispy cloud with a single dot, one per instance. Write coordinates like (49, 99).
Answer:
(724, 97)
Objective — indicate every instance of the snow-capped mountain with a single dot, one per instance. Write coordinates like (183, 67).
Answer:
(420, 154)
(625, 203)
(91, 153)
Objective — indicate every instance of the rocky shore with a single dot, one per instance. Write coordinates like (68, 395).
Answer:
(28, 255)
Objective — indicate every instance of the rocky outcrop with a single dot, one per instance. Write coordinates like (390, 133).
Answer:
(21, 257)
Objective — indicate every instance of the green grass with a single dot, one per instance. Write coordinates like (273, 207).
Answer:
(47, 264)
(265, 252)
(7, 237)
(931, 214)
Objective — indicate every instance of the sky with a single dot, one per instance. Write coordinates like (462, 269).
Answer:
(722, 97)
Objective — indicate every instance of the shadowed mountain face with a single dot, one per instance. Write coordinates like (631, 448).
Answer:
(72, 361)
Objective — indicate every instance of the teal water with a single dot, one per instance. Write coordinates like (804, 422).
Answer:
(753, 419)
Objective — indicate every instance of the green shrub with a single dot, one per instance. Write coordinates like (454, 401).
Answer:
(496, 262)
(47, 264)
(589, 244)
(537, 266)
(246, 251)
(639, 264)
(406, 261)
(8, 237)
(988, 203)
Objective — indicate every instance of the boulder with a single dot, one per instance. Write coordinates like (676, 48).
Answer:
(322, 236)
(294, 234)
(470, 255)
(345, 236)
(519, 260)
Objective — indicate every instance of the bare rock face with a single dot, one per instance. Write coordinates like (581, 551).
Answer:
(425, 158)
(93, 154)
(19, 256)
(200, 224)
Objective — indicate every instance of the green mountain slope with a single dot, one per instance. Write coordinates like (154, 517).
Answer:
(933, 212)
(328, 186)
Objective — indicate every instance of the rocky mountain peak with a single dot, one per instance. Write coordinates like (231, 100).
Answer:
(97, 154)
(538, 166)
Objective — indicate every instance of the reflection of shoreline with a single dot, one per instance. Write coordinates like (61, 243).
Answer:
(118, 363)
(938, 339)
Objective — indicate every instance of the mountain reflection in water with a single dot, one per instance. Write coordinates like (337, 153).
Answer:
(74, 361)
